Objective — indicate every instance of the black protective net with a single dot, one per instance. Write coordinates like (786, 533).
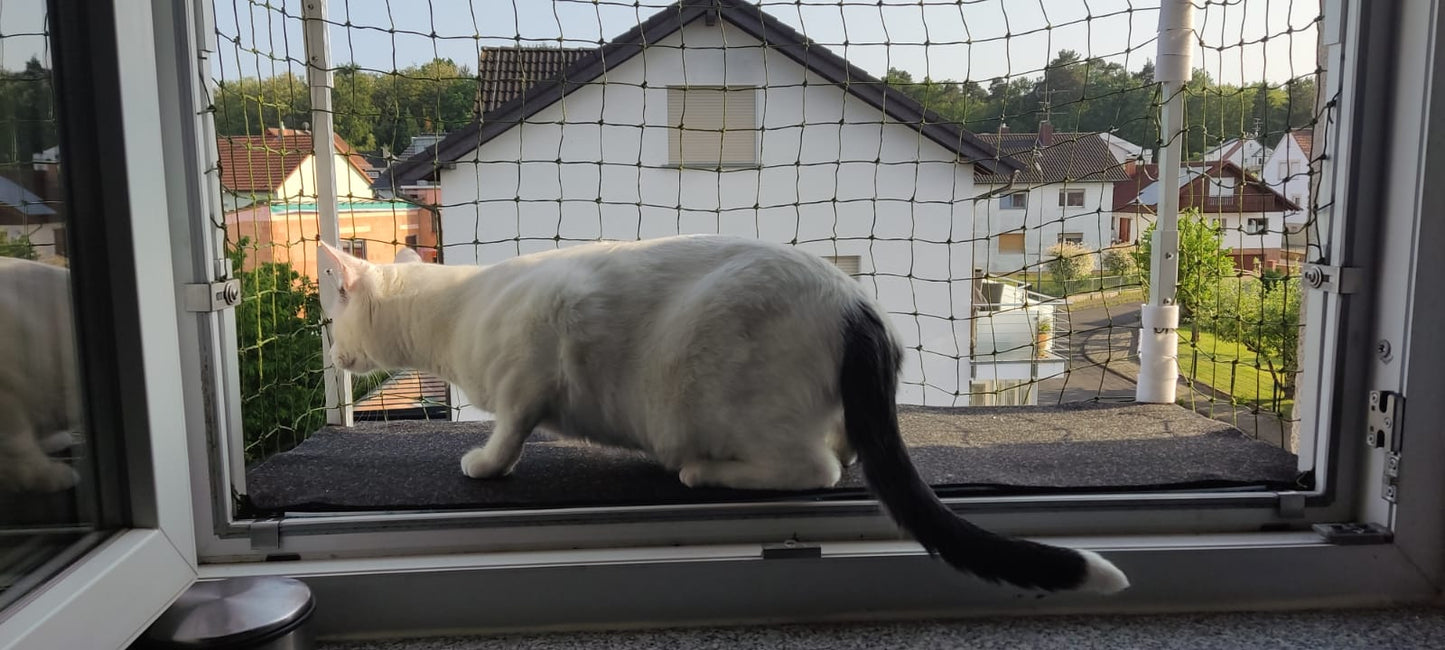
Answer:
(987, 168)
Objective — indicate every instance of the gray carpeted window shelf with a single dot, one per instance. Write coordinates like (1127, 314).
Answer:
(1091, 447)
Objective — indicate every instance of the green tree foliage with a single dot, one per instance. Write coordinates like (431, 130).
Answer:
(278, 338)
(1264, 317)
(1203, 262)
(1089, 94)
(1120, 261)
(21, 247)
(372, 110)
(27, 113)
(1068, 261)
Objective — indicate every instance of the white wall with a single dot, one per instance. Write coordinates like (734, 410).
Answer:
(818, 185)
(350, 183)
(1288, 172)
(1043, 220)
(1235, 238)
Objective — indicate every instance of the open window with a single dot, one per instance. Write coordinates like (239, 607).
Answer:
(1019, 359)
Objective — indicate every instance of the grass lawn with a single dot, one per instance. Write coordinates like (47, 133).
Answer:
(1232, 369)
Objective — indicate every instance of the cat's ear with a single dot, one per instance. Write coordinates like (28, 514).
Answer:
(406, 256)
(346, 267)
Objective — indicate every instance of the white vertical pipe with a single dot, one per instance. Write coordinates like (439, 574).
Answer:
(323, 141)
(1158, 341)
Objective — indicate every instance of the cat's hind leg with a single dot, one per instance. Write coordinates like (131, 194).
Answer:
(838, 442)
(813, 469)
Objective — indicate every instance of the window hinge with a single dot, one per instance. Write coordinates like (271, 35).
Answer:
(1383, 432)
(1331, 279)
(1291, 505)
(212, 296)
(790, 550)
(266, 534)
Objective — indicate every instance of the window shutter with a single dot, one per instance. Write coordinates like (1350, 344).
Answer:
(712, 126)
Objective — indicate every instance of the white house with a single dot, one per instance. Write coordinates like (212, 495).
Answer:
(1125, 150)
(1247, 153)
(1251, 214)
(1288, 171)
(688, 123)
(1064, 193)
(280, 166)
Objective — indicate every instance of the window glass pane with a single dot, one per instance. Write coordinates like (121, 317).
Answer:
(46, 487)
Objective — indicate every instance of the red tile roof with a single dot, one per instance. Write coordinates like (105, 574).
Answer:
(260, 163)
(1305, 138)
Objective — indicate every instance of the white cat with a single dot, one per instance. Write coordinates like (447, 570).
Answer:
(733, 362)
(39, 404)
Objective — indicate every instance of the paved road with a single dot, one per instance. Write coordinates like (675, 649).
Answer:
(1101, 343)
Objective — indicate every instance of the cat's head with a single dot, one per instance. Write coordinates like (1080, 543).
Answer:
(355, 339)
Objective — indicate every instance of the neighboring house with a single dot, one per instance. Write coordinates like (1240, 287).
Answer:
(372, 230)
(25, 215)
(716, 117)
(1288, 171)
(1125, 150)
(1246, 153)
(280, 166)
(1251, 213)
(1064, 193)
(269, 184)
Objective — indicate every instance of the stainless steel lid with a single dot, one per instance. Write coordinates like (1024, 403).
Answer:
(224, 612)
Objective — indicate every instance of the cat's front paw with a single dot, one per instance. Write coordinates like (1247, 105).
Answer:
(41, 478)
(478, 463)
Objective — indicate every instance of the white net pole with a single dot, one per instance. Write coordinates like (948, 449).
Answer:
(319, 77)
(1158, 342)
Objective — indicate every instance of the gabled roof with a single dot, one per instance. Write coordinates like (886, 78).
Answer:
(506, 72)
(1145, 177)
(752, 20)
(1066, 157)
(1305, 138)
(260, 163)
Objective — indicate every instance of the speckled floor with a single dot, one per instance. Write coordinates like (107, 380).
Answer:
(1413, 628)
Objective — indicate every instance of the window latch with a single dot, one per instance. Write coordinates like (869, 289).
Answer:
(790, 550)
(1383, 432)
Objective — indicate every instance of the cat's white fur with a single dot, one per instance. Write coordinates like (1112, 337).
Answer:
(721, 357)
(660, 345)
(39, 405)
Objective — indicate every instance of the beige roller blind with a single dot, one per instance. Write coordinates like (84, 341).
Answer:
(712, 126)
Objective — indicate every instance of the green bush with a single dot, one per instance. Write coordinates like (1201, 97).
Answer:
(1264, 317)
(1203, 263)
(21, 247)
(1069, 261)
(1121, 262)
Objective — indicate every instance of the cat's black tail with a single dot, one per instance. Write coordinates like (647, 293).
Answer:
(871, 362)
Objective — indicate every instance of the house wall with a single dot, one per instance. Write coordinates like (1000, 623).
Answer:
(351, 185)
(41, 235)
(1043, 221)
(290, 237)
(834, 178)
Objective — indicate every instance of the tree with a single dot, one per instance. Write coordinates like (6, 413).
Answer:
(1120, 261)
(1069, 261)
(21, 247)
(278, 338)
(1203, 262)
(1265, 319)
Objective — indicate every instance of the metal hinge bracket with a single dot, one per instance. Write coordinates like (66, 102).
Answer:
(1331, 279)
(1382, 431)
(212, 296)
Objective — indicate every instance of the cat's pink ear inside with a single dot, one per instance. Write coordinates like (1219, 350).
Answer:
(347, 267)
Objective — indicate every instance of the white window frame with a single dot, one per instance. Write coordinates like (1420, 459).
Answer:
(1256, 225)
(1066, 198)
(490, 570)
(1014, 201)
(110, 594)
(1072, 237)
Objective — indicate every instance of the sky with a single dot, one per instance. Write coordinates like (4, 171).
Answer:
(1242, 41)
